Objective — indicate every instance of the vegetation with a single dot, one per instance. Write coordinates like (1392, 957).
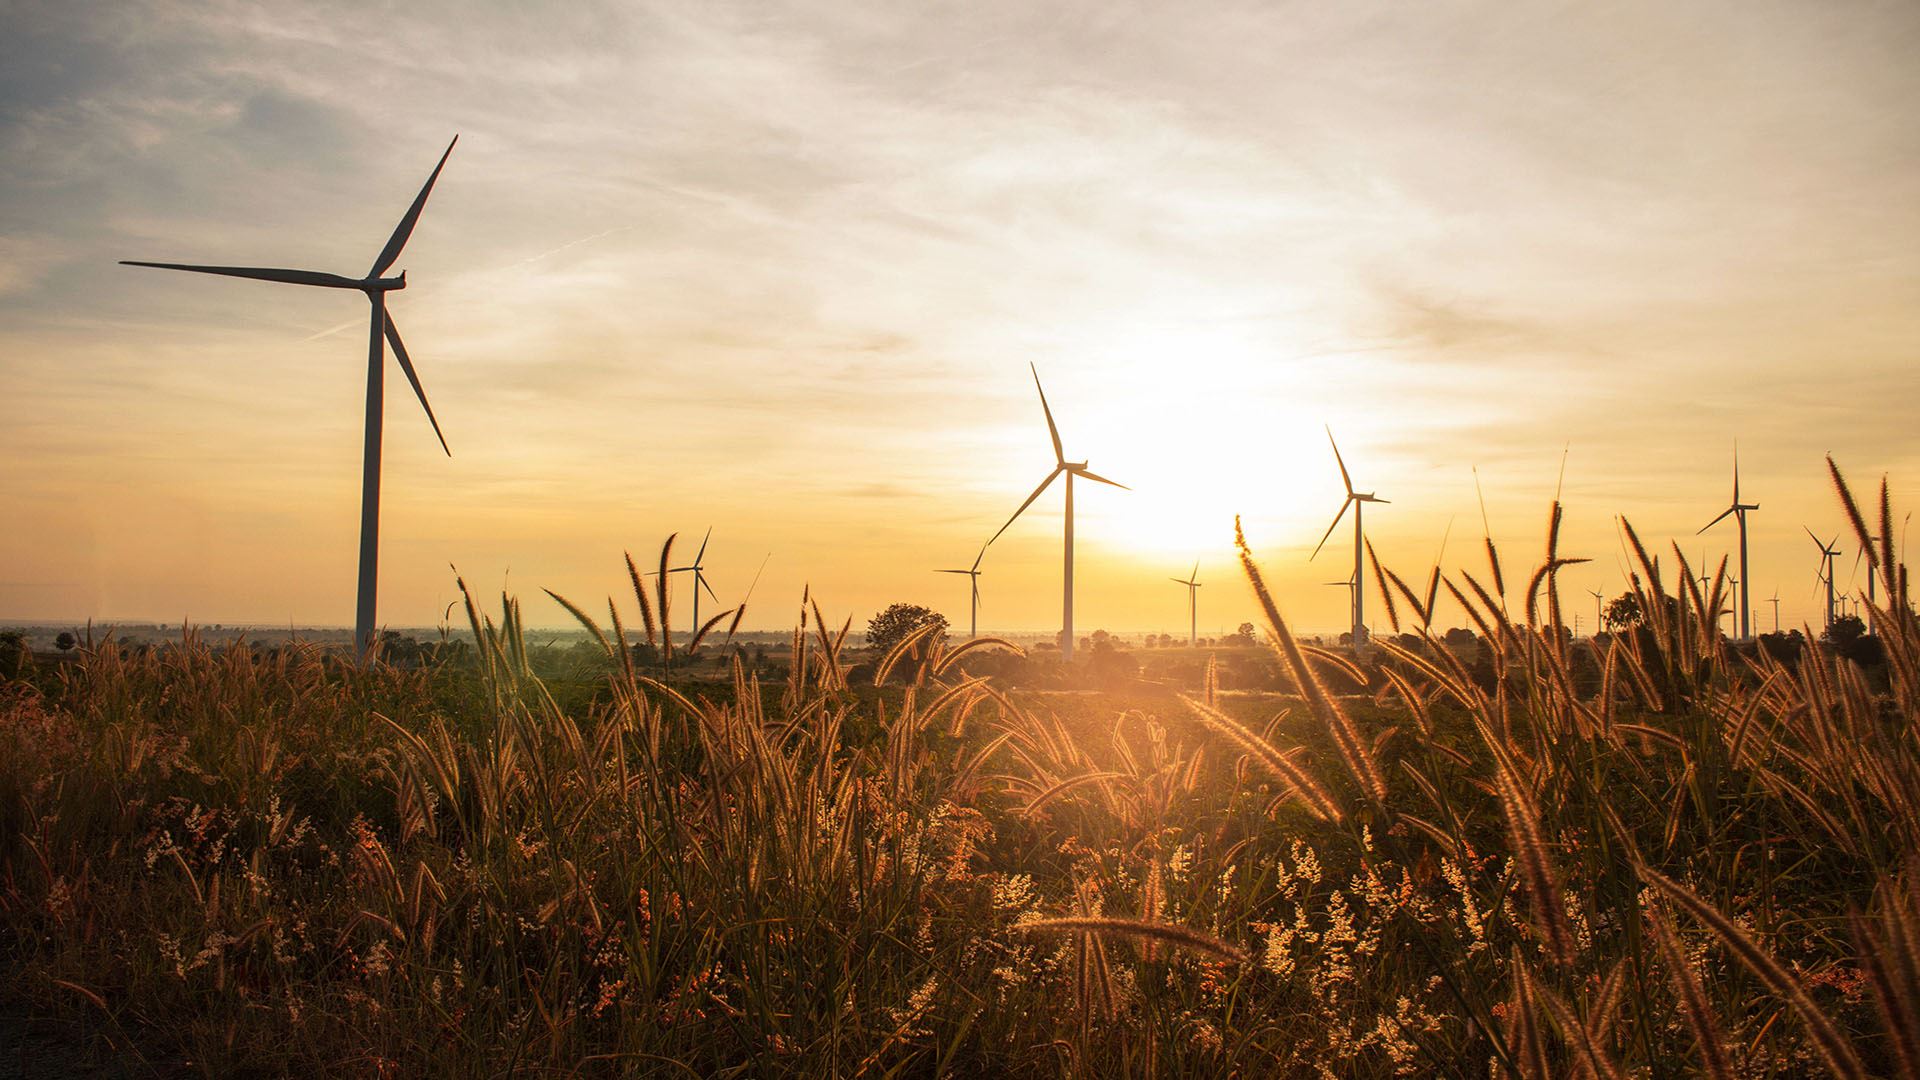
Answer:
(1645, 854)
(888, 628)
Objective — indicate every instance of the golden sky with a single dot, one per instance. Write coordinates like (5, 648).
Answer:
(779, 268)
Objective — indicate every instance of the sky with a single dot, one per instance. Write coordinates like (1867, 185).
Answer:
(780, 268)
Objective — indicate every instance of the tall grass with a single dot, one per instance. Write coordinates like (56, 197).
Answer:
(1647, 854)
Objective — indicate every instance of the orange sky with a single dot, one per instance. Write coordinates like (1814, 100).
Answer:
(780, 269)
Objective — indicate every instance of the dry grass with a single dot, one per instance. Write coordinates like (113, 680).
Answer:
(1643, 855)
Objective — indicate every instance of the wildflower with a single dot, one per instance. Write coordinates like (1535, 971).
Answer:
(1475, 927)
(1276, 953)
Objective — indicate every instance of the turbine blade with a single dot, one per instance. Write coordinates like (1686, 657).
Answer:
(702, 553)
(1180, 581)
(1736, 474)
(1029, 502)
(1059, 454)
(1716, 521)
(977, 558)
(405, 229)
(406, 365)
(953, 571)
(702, 579)
(1101, 479)
(258, 273)
(1195, 575)
(1330, 528)
(1344, 478)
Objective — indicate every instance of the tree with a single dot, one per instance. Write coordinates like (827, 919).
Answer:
(66, 641)
(13, 653)
(1847, 636)
(1623, 612)
(891, 626)
(1244, 633)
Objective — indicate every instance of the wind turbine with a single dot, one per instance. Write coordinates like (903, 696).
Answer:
(1598, 622)
(1871, 540)
(1071, 469)
(1775, 601)
(699, 578)
(973, 574)
(1827, 553)
(380, 332)
(1192, 582)
(1739, 511)
(1357, 500)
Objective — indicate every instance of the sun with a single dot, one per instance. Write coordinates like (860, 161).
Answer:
(1227, 433)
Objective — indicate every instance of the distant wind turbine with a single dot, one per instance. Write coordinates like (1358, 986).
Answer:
(699, 578)
(380, 326)
(1775, 601)
(973, 575)
(1192, 582)
(1071, 469)
(1597, 621)
(1825, 576)
(1357, 500)
(1738, 510)
(1871, 540)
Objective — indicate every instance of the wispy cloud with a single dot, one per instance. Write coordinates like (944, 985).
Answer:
(786, 261)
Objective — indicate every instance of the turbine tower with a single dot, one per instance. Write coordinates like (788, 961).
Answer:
(973, 574)
(1071, 469)
(1357, 500)
(380, 332)
(1775, 601)
(1739, 510)
(1825, 575)
(1192, 582)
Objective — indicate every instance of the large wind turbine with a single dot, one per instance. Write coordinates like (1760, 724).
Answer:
(380, 331)
(1356, 500)
(1192, 582)
(1071, 469)
(1827, 553)
(1739, 510)
(973, 575)
(1599, 623)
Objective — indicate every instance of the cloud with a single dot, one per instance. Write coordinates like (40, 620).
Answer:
(798, 251)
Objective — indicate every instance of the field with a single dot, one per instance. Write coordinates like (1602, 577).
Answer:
(1647, 854)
